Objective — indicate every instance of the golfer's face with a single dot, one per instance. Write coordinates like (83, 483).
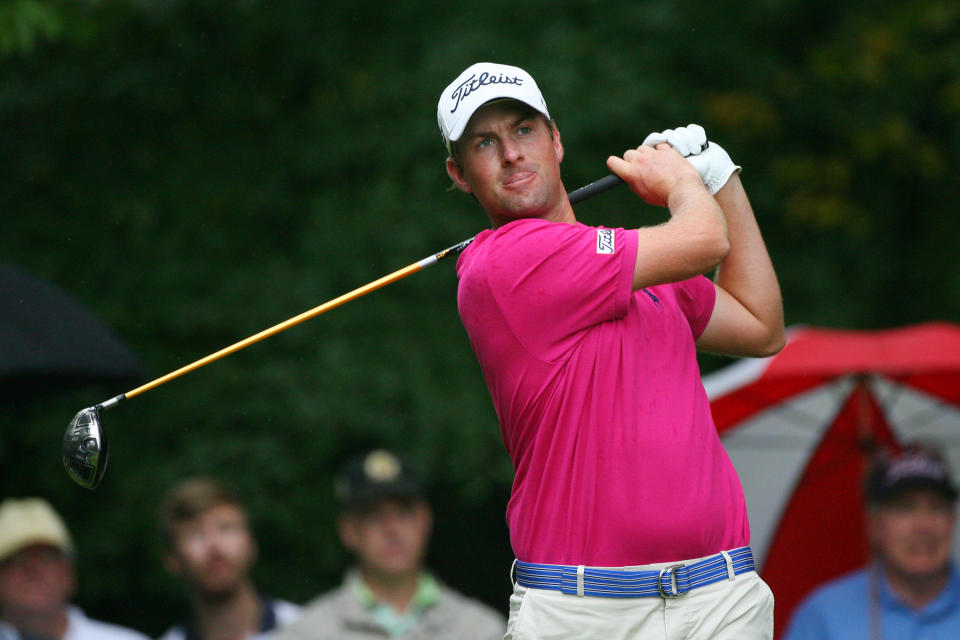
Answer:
(510, 161)
(914, 532)
(214, 551)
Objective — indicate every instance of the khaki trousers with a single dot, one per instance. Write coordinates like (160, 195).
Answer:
(737, 609)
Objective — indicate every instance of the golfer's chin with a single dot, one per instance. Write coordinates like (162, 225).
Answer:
(519, 204)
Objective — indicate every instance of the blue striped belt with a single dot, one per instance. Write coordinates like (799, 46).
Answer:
(673, 581)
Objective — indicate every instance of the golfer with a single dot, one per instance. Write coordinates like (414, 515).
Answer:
(626, 517)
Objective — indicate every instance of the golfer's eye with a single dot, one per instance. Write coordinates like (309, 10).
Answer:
(484, 143)
(524, 130)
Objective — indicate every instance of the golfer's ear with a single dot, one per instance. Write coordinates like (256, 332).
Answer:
(557, 145)
(456, 174)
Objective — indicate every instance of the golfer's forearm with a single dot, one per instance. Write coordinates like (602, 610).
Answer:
(747, 272)
(692, 242)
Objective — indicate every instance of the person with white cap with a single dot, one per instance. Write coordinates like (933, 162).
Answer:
(626, 517)
(38, 579)
(911, 587)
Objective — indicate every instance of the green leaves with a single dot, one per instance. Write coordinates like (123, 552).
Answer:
(23, 23)
(198, 171)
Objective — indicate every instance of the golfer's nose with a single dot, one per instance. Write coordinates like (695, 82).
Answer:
(511, 150)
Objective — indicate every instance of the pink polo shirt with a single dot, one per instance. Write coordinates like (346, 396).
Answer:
(597, 389)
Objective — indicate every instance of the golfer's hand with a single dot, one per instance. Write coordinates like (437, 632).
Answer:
(712, 162)
(655, 173)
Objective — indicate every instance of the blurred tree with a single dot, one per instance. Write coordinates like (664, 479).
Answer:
(24, 22)
(197, 171)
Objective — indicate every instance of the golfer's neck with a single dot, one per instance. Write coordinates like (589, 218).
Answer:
(562, 212)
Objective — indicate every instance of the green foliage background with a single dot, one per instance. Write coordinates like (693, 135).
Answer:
(197, 171)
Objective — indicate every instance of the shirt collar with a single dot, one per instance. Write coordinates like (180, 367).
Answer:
(425, 595)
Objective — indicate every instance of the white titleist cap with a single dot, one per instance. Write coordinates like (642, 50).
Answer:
(479, 84)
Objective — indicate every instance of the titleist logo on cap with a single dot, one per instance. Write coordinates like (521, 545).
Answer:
(474, 82)
(479, 84)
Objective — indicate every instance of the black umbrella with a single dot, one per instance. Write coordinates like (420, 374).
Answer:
(50, 341)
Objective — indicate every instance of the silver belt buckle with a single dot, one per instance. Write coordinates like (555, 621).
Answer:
(668, 573)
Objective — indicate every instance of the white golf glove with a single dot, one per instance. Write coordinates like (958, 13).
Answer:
(710, 160)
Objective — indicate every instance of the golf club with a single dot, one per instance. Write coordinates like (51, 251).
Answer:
(85, 444)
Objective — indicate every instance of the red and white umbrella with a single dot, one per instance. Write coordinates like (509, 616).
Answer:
(799, 427)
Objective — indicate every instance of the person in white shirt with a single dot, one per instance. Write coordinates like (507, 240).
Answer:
(38, 578)
(211, 549)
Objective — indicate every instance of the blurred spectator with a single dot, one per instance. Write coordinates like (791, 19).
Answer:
(211, 549)
(38, 578)
(385, 522)
(912, 588)
(7, 632)
(10, 633)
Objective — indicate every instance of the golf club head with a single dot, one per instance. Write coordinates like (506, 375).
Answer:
(85, 448)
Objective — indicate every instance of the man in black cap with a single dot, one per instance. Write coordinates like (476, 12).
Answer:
(385, 522)
(912, 589)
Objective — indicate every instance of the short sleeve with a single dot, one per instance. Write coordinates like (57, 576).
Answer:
(553, 280)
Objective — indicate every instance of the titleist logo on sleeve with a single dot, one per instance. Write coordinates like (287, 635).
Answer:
(474, 82)
(605, 241)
